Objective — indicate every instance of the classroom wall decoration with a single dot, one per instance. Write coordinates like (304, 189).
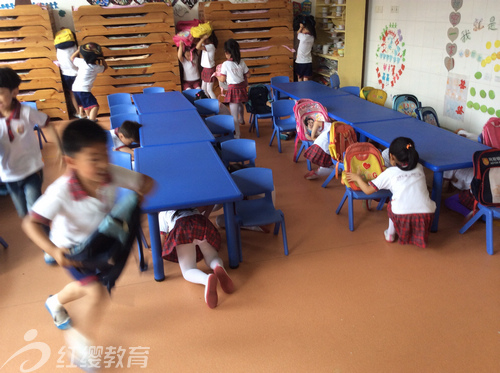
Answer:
(391, 56)
(456, 96)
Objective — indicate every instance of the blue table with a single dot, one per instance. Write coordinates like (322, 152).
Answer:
(161, 102)
(308, 89)
(439, 150)
(351, 109)
(186, 175)
(173, 128)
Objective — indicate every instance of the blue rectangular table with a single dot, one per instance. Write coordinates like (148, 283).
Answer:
(187, 175)
(161, 102)
(439, 150)
(308, 89)
(173, 128)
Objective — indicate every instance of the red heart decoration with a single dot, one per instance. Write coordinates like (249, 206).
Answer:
(366, 165)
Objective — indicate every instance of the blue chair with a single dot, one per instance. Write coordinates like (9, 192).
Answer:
(303, 146)
(124, 160)
(190, 94)
(353, 90)
(254, 117)
(354, 194)
(241, 151)
(488, 213)
(122, 109)
(153, 90)
(283, 119)
(207, 106)
(406, 104)
(221, 126)
(427, 114)
(276, 94)
(255, 181)
(335, 81)
(119, 99)
(117, 119)
(339, 166)
(3, 243)
(37, 128)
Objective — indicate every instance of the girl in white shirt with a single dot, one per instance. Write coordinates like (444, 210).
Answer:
(411, 211)
(235, 72)
(306, 35)
(207, 46)
(189, 61)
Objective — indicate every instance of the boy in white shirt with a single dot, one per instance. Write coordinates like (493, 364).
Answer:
(74, 206)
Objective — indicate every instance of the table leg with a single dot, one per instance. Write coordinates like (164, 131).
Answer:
(154, 235)
(232, 245)
(437, 188)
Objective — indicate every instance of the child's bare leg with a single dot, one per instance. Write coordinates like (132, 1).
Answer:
(81, 112)
(93, 113)
(213, 260)
(92, 309)
(186, 255)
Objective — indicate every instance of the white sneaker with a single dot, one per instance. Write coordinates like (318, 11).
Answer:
(48, 259)
(59, 314)
(389, 237)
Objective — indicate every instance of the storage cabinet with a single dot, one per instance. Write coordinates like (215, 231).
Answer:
(27, 46)
(137, 44)
(340, 30)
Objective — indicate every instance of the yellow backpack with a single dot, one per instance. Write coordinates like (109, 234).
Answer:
(201, 29)
(364, 159)
(64, 38)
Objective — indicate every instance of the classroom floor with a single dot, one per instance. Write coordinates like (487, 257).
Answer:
(340, 302)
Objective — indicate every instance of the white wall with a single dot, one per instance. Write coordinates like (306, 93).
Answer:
(424, 26)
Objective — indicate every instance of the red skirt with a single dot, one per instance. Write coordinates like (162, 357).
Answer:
(191, 84)
(237, 93)
(412, 228)
(186, 230)
(317, 156)
(466, 198)
(206, 74)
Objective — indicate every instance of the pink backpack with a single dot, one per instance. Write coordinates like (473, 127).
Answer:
(184, 32)
(306, 108)
(491, 133)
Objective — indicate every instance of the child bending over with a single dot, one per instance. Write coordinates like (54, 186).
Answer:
(125, 136)
(411, 211)
(313, 128)
(74, 206)
(187, 237)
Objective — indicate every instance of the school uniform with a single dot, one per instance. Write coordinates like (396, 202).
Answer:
(303, 61)
(87, 73)
(318, 153)
(117, 143)
(208, 64)
(68, 69)
(20, 156)
(237, 83)
(191, 73)
(411, 208)
(183, 227)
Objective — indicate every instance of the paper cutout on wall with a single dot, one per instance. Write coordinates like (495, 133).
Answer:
(455, 18)
(391, 56)
(449, 63)
(456, 4)
(456, 96)
(453, 33)
(451, 49)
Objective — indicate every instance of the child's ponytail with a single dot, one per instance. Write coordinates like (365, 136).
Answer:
(232, 47)
(403, 148)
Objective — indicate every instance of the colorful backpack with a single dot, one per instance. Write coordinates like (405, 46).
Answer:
(64, 38)
(491, 133)
(184, 32)
(364, 159)
(485, 185)
(303, 109)
(201, 29)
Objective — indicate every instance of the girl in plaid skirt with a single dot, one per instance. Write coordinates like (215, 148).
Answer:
(411, 210)
(188, 237)
(207, 45)
(235, 73)
(318, 152)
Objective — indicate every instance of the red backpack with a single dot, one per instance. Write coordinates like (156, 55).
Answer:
(485, 185)
(341, 137)
(307, 108)
(491, 133)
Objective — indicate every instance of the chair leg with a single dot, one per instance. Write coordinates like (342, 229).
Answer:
(238, 240)
(142, 265)
(351, 211)
(272, 136)
(283, 232)
(309, 166)
(328, 179)
(381, 204)
(279, 140)
(256, 124)
(39, 138)
(143, 238)
(3, 243)
(489, 231)
(472, 220)
(43, 135)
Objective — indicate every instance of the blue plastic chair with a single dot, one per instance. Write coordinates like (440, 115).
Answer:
(122, 109)
(276, 94)
(153, 90)
(119, 99)
(190, 94)
(283, 119)
(354, 194)
(406, 104)
(255, 181)
(221, 126)
(303, 147)
(207, 106)
(353, 90)
(117, 119)
(339, 169)
(242, 151)
(254, 118)
(335, 81)
(427, 114)
(488, 214)
(37, 128)
(124, 160)
(3, 243)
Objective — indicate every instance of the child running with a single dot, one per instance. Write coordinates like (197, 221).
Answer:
(411, 211)
(235, 72)
(189, 61)
(187, 237)
(89, 66)
(74, 205)
(208, 45)
(303, 62)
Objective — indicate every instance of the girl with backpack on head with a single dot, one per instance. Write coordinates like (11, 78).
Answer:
(207, 46)
(189, 61)
(411, 210)
(306, 35)
(235, 72)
